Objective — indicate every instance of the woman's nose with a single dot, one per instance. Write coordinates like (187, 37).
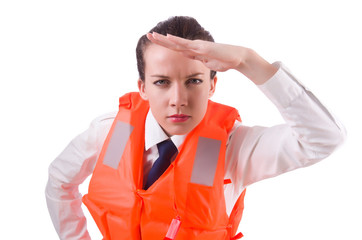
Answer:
(178, 96)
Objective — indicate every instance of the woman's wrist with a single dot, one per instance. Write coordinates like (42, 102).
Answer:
(254, 67)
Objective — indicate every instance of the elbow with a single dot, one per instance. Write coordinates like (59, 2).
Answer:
(320, 146)
(331, 141)
(337, 137)
(59, 186)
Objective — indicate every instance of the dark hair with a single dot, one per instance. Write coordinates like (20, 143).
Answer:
(180, 26)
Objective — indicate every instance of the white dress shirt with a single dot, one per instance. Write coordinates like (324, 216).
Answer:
(310, 133)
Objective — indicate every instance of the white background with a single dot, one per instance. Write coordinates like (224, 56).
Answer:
(62, 63)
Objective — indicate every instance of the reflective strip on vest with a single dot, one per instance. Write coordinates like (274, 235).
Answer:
(205, 163)
(117, 143)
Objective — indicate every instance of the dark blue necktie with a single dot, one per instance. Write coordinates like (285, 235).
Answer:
(166, 151)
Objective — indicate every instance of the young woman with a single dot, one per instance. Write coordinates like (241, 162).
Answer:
(171, 164)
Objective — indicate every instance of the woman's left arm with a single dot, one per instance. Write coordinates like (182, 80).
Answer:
(309, 134)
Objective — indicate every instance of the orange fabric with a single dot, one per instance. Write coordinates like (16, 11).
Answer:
(123, 210)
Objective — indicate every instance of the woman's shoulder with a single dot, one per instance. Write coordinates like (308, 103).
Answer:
(104, 119)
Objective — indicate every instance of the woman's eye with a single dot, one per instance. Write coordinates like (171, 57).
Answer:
(194, 81)
(161, 82)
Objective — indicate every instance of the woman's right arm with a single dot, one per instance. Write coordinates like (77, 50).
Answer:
(67, 172)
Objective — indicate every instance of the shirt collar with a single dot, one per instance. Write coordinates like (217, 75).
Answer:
(154, 134)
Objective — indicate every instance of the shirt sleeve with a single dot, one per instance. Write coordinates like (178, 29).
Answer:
(67, 172)
(310, 134)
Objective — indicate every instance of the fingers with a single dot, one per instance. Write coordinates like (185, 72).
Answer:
(182, 42)
(189, 48)
(216, 56)
(171, 42)
(160, 40)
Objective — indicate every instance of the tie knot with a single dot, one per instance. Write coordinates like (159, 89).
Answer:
(166, 149)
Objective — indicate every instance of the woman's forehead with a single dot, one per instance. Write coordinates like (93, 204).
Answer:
(159, 53)
(163, 61)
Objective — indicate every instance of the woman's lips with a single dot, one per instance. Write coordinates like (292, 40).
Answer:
(179, 118)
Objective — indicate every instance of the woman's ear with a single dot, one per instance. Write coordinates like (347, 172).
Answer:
(141, 89)
(212, 86)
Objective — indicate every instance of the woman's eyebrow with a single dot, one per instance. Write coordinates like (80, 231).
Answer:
(194, 75)
(159, 76)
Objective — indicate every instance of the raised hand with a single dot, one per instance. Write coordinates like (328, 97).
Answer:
(219, 57)
(215, 56)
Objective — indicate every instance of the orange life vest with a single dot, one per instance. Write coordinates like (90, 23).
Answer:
(190, 191)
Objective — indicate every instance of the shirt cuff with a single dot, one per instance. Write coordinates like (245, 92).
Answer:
(282, 88)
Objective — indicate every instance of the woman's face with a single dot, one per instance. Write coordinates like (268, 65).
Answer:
(177, 88)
